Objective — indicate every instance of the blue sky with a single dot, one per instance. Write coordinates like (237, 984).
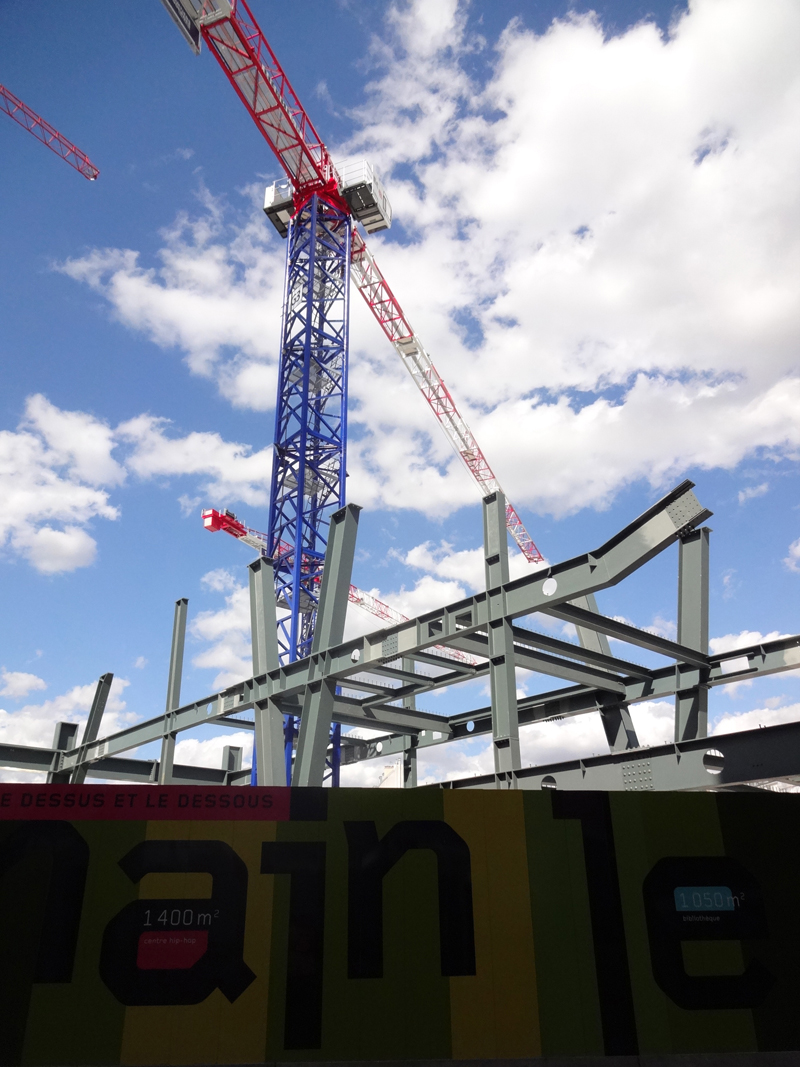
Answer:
(596, 238)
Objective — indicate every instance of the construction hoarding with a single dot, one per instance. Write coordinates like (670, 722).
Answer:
(147, 925)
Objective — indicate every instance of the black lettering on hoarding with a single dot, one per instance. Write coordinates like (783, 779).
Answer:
(615, 997)
(370, 860)
(69, 858)
(672, 919)
(37, 945)
(304, 861)
(220, 967)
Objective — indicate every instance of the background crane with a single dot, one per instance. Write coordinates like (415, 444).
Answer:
(47, 134)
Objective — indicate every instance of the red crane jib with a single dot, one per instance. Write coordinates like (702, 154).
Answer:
(235, 38)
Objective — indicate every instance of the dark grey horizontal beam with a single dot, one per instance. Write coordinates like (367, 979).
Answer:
(613, 628)
(126, 769)
(724, 760)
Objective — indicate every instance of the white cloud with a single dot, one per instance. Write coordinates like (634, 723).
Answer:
(53, 471)
(227, 631)
(207, 752)
(17, 684)
(216, 296)
(34, 724)
(792, 561)
(601, 248)
(58, 468)
(753, 491)
(751, 720)
(227, 471)
(140, 663)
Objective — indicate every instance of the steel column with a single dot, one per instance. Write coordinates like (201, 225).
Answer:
(268, 766)
(93, 723)
(502, 671)
(63, 741)
(616, 718)
(173, 690)
(318, 703)
(410, 742)
(691, 705)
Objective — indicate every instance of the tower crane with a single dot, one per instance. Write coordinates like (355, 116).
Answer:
(317, 206)
(47, 134)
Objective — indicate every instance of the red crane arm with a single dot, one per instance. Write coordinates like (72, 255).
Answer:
(383, 304)
(235, 38)
(253, 70)
(46, 133)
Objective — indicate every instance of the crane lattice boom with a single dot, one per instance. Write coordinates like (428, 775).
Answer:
(47, 134)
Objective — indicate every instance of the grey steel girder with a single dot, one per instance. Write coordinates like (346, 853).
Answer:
(604, 683)
(770, 657)
(718, 762)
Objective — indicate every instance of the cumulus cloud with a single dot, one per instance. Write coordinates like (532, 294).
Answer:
(227, 471)
(55, 471)
(207, 752)
(216, 296)
(59, 468)
(792, 561)
(33, 724)
(597, 242)
(731, 722)
(753, 491)
(226, 632)
(17, 684)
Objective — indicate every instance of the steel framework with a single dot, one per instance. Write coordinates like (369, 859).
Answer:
(373, 682)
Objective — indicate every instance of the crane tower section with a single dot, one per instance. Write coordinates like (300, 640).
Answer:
(308, 475)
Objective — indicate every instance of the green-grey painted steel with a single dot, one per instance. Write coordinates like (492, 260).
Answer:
(93, 723)
(499, 639)
(173, 691)
(64, 738)
(379, 672)
(319, 696)
(268, 718)
(725, 761)
(232, 758)
(335, 587)
(616, 718)
(691, 705)
(409, 741)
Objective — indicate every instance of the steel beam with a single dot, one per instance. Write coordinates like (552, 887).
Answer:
(624, 632)
(691, 705)
(93, 724)
(616, 718)
(64, 738)
(269, 765)
(718, 762)
(173, 691)
(320, 696)
(500, 642)
(409, 742)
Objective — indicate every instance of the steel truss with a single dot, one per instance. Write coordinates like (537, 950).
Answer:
(308, 476)
(372, 682)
